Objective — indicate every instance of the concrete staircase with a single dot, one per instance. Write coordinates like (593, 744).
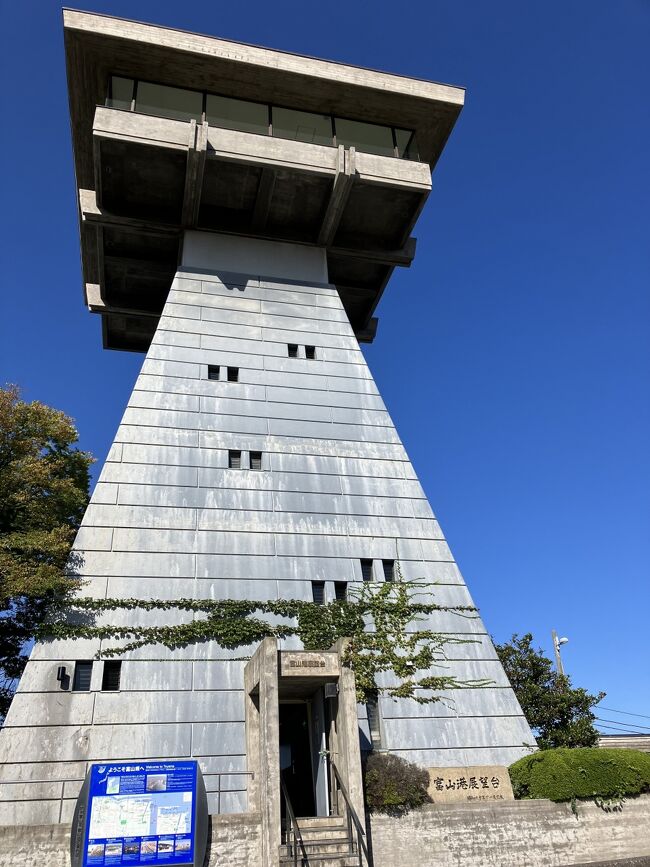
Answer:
(327, 844)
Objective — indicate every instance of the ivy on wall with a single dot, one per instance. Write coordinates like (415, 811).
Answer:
(388, 649)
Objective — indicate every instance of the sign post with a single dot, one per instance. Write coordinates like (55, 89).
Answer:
(132, 813)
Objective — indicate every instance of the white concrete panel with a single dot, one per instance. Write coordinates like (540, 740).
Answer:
(368, 486)
(164, 436)
(177, 338)
(99, 743)
(228, 676)
(168, 707)
(355, 385)
(14, 813)
(178, 369)
(138, 516)
(105, 492)
(489, 701)
(292, 569)
(63, 708)
(202, 387)
(451, 733)
(317, 366)
(285, 394)
(255, 409)
(467, 757)
(207, 356)
(153, 455)
(93, 538)
(218, 738)
(125, 564)
(313, 337)
(164, 400)
(216, 329)
(205, 304)
(202, 498)
(30, 791)
(150, 474)
(15, 771)
(187, 311)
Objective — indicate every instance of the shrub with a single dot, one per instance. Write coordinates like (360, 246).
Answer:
(394, 785)
(567, 774)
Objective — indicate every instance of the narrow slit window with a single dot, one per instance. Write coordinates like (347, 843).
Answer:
(111, 675)
(310, 352)
(213, 371)
(292, 350)
(256, 460)
(366, 570)
(82, 674)
(372, 709)
(389, 570)
(234, 460)
(318, 592)
(233, 374)
(341, 590)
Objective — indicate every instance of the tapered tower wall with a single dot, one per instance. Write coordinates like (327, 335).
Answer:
(168, 518)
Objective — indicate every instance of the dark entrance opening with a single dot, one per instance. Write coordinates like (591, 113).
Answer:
(296, 757)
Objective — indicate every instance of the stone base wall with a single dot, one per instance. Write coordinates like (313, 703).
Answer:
(235, 841)
(514, 834)
(509, 834)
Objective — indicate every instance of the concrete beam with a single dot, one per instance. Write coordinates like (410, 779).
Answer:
(96, 304)
(196, 153)
(92, 212)
(343, 181)
(403, 256)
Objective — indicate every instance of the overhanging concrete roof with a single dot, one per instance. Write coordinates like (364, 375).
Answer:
(100, 45)
(142, 180)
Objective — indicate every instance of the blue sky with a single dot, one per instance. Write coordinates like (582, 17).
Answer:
(513, 354)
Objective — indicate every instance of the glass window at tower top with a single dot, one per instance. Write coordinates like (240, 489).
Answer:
(171, 102)
(302, 126)
(260, 118)
(237, 114)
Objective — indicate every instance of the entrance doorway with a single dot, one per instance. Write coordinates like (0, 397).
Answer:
(296, 759)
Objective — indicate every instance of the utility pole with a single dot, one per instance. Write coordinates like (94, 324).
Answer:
(557, 643)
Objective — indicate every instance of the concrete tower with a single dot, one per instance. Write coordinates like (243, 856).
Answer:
(241, 212)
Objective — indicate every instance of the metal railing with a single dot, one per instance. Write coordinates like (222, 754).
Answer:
(219, 791)
(351, 816)
(294, 836)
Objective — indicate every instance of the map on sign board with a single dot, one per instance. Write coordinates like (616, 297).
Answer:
(141, 813)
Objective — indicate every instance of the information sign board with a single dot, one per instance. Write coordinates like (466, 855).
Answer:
(140, 813)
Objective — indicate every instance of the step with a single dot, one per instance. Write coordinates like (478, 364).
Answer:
(307, 822)
(340, 846)
(324, 861)
(331, 833)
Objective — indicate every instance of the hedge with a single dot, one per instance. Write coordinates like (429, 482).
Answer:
(568, 774)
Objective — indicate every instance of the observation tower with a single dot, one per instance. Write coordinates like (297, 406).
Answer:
(241, 211)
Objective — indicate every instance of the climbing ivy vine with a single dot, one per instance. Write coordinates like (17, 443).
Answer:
(389, 650)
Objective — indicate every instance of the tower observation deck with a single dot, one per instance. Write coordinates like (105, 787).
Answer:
(241, 212)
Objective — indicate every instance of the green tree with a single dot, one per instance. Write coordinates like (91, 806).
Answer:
(559, 714)
(43, 494)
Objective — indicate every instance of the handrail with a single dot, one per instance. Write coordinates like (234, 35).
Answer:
(295, 828)
(352, 817)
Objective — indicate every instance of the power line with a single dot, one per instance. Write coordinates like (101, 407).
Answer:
(626, 712)
(623, 731)
(618, 722)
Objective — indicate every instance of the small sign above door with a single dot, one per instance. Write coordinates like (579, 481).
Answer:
(307, 663)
